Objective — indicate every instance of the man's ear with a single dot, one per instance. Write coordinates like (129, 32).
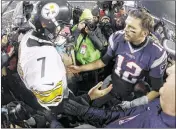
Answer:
(145, 33)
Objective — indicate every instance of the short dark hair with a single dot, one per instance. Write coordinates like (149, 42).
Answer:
(95, 12)
(146, 18)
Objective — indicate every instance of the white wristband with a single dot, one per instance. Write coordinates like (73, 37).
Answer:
(139, 101)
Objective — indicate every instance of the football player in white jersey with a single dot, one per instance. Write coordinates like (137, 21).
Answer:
(40, 66)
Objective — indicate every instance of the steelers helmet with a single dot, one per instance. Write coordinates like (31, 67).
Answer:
(48, 15)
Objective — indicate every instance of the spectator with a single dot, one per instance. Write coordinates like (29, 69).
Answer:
(89, 40)
(6, 50)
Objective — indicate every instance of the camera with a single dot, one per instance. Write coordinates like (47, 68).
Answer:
(91, 25)
(106, 29)
(76, 14)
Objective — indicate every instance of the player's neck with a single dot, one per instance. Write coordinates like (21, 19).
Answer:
(139, 44)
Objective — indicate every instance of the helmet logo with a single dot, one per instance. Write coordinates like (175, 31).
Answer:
(50, 11)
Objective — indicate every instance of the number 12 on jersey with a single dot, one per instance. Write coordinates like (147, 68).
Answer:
(127, 75)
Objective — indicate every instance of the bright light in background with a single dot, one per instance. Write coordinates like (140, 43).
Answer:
(129, 3)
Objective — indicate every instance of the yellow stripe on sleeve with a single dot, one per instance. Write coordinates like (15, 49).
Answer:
(52, 96)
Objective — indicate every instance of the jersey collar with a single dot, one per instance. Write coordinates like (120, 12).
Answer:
(132, 50)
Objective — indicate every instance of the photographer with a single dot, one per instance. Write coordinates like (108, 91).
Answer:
(9, 52)
(6, 50)
(77, 11)
(89, 46)
(96, 14)
(106, 27)
(90, 42)
(103, 23)
(119, 22)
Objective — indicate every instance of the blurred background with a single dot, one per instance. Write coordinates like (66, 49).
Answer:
(160, 9)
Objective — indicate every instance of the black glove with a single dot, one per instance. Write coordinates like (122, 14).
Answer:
(73, 108)
(49, 116)
(40, 121)
(83, 100)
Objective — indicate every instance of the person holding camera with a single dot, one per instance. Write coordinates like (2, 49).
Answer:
(90, 45)
(106, 26)
(103, 22)
(119, 22)
(96, 14)
(6, 50)
(77, 11)
(90, 42)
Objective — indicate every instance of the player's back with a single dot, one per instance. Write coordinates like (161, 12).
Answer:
(42, 70)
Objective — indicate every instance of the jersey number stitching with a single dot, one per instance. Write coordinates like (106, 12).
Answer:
(126, 74)
(43, 66)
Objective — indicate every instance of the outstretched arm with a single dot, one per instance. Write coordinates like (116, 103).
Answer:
(88, 67)
(98, 117)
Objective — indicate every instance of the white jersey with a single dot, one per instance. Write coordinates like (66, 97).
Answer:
(43, 72)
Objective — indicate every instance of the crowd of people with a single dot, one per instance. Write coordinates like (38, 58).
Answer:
(64, 66)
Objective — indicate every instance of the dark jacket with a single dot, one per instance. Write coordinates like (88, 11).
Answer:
(95, 36)
(98, 39)
(146, 116)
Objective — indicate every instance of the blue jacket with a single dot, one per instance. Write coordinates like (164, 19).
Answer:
(145, 116)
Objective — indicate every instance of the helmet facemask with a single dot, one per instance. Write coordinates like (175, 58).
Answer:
(53, 17)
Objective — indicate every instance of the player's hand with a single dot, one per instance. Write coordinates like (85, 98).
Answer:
(96, 93)
(81, 25)
(87, 30)
(74, 68)
(49, 116)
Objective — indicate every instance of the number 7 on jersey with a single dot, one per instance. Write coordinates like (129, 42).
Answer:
(43, 66)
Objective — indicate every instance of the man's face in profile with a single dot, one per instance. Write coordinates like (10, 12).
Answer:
(133, 29)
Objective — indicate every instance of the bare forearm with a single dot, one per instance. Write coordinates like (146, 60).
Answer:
(92, 66)
(152, 95)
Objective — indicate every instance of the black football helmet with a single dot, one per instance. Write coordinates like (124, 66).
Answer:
(104, 4)
(48, 15)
